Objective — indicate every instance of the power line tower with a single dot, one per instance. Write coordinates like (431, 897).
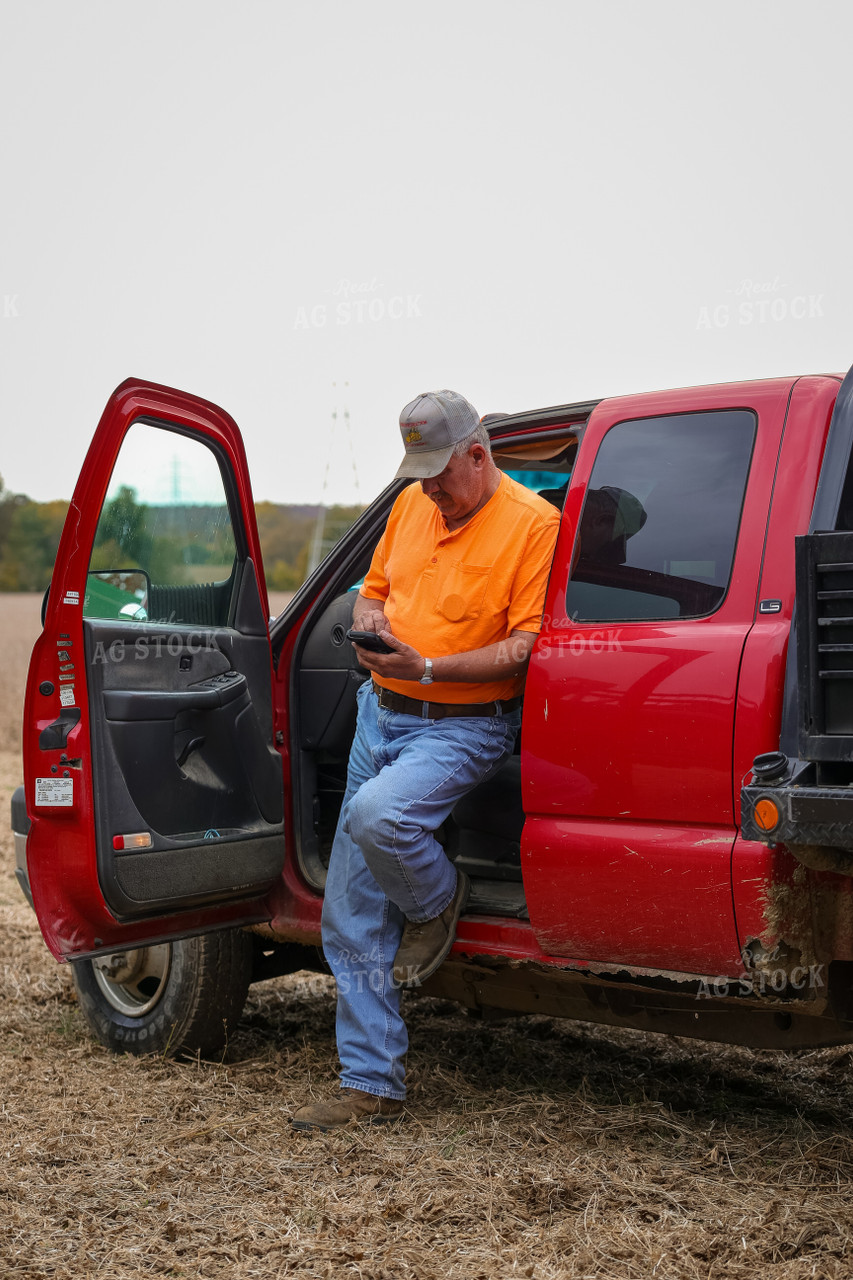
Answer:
(328, 529)
(176, 481)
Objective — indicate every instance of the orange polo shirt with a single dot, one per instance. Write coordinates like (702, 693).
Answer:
(450, 591)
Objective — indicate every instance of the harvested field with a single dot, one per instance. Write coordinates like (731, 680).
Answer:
(532, 1148)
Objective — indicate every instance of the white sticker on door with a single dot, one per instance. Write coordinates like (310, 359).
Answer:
(55, 793)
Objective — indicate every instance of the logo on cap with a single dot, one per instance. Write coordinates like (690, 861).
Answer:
(414, 436)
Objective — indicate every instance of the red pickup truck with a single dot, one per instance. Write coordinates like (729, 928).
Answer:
(670, 847)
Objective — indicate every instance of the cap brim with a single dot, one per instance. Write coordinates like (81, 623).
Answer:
(423, 466)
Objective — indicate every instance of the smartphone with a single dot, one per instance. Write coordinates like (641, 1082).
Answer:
(369, 640)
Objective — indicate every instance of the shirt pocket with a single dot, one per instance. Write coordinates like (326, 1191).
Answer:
(462, 591)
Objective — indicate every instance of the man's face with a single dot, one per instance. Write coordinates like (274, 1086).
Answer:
(460, 487)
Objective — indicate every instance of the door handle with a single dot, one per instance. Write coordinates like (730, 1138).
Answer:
(192, 745)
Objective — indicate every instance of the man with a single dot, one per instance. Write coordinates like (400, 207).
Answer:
(455, 589)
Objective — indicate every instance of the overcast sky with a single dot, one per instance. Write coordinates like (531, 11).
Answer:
(298, 209)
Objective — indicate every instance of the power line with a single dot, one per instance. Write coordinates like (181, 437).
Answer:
(327, 530)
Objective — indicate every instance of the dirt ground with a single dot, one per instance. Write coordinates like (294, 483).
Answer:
(533, 1148)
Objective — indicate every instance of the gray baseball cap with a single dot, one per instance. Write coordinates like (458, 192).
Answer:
(431, 426)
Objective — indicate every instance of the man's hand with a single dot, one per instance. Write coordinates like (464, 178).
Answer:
(504, 658)
(368, 615)
(405, 663)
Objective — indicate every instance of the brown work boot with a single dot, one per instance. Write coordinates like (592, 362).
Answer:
(353, 1104)
(425, 944)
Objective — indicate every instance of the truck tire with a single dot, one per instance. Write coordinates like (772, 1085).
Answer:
(177, 999)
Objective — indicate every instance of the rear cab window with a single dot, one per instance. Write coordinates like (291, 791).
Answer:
(543, 466)
(660, 518)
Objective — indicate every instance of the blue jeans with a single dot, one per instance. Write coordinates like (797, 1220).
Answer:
(405, 775)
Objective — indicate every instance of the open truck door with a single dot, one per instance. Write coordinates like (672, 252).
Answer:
(153, 785)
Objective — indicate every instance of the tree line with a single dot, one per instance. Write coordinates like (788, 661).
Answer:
(290, 537)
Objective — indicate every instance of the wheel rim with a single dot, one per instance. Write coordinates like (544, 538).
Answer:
(133, 982)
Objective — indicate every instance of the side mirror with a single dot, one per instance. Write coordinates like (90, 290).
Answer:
(117, 593)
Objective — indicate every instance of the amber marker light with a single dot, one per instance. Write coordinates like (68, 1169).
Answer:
(133, 840)
(766, 814)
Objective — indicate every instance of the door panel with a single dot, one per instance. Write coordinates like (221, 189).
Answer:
(154, 787)
(631, 691)
(181, 753)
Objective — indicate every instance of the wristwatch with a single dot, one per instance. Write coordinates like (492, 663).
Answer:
(427, 677)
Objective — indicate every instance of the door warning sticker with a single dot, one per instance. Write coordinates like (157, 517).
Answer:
(55, 793)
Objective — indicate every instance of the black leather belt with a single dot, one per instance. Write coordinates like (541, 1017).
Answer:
(391, 701)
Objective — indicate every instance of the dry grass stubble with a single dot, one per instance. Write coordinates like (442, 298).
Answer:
(20, 624)
(533, 1148)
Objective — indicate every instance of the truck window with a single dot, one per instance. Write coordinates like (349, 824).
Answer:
(545, 466)
(164, 550)
(660, 518)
